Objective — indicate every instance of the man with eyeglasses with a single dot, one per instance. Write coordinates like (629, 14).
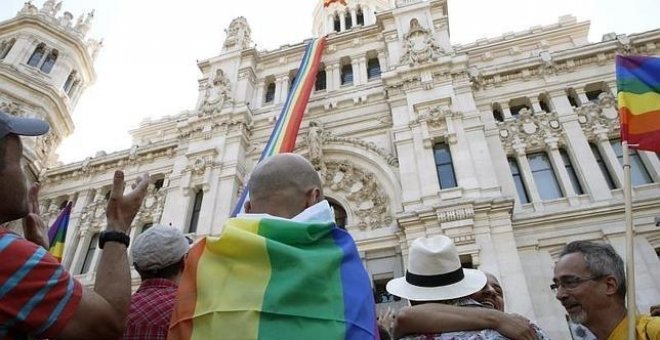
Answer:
(590, 282)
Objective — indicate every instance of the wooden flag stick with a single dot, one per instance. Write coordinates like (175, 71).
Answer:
(630, 240)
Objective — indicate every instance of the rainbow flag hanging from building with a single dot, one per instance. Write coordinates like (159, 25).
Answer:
(285, 132)
(272, 278)
(638, 82)
(57, 233)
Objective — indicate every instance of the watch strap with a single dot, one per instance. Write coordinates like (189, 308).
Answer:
(113, 236)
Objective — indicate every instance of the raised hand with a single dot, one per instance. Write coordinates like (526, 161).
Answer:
(514, 326)
(34, 228)
(121, 209)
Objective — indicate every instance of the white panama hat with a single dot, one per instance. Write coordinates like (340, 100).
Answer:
(435, 273)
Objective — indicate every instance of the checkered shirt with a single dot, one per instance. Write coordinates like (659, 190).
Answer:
(151, 310)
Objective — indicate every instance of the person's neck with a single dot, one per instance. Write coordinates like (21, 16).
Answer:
(602, 324)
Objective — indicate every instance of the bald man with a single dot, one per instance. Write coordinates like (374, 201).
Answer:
(284, 186)
(290, 289)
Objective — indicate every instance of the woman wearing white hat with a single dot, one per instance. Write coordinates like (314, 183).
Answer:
(437, 285)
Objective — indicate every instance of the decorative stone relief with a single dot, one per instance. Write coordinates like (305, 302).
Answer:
(600, 116)
(318, 136)
(624, 44)
(529, 130)
(419, 45)
(216, 93)
(239, 35)
(152, 206)
(315, 138)
(361, 188)
(547, 63)
(455, 214)
(476, 78)
(49, 12)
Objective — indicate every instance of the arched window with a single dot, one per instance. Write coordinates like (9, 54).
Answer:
(347, 74)
(575, 181)
(516, 105)
(497, 112)
(544, 176)
(340, 213)
(638, 172)
(373, 68)
(270, 93)
(602, 166)
(337, 23)
(521, 189)
(197, 208)
(37, 55)
(572, 97)
(592, 91)
(544, 103)
(89, 255)
(348, 21)
(444, 166)
(360, 17)
(6, 47)
(69, 81)
(320, 83)
(50, 61)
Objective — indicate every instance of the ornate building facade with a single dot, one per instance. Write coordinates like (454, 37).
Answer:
(508, 145)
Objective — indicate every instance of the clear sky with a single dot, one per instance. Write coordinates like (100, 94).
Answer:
(147, 67)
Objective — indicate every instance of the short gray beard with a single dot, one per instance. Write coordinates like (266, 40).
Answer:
(580, 317)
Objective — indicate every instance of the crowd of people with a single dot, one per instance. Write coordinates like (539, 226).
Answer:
(39, 299)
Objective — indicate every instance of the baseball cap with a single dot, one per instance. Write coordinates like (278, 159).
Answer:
(159, 247)
(21, 126)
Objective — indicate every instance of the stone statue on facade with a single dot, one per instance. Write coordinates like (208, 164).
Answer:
(315, 139)
(419, 45)
(216, 93)
(475, 76)
(547, 62)
(238, 35)
(29, 9)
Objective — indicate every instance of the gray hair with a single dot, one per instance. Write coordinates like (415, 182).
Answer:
(601, 260)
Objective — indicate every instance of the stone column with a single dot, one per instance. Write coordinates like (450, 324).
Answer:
(506, 111)
(353, 17)
(357, 77)
(363, 70)
(342, 21)
(259, 96)
(285, 89)
(528, 177)
(610, 159)
(278, 90)
(562, 174)
(536, 107)
(582, 96)
(382, 60)
(336, 76)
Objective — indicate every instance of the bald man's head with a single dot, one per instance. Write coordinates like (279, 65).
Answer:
(283, 185)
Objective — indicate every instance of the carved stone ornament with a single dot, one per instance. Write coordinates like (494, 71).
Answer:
(547, 63)
(238, 35)
(476, 78)
(600, 116)
(436, 117)
(529, 129)
(625, 44)
(419, 45)
(361, 188)
(216, 94)
(317, 137)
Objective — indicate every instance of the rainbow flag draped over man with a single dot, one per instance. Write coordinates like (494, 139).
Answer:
(285, 132)
(272, 278)
(638, 83)
(57, 233)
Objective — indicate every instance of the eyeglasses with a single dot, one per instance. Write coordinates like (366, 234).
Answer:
(571, 283)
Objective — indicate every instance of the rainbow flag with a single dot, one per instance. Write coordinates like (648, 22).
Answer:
(57, 233)
(272, 278)
(638, 82)
(285, 132)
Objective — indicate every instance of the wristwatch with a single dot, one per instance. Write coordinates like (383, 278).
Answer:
(113, 236)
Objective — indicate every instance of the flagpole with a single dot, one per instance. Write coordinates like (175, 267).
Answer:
(630, 238)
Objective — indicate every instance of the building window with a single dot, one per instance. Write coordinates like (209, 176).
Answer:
(320, 83)
(521, 189)
(50, 61)
(197, 208)
(89, 255)
(270, 93)
(592, 91)
(159, 183)
(516, 105)
(146, 227)
(340, 213)
(348, 20)
(347, 74)
(466, 261)
(68, 84)
(292, 78)
(337, 23)
(444, 166)
(544, 176)
(6, 47)
(544, 103)
(36, 56)
(572, 97)
(603, 167)
(638, 172)
(373, 68)
(575, 181)
(360, 16)
(497, 112)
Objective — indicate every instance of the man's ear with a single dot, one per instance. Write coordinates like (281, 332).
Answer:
(314, 196)
(611, 285)
(247, 207)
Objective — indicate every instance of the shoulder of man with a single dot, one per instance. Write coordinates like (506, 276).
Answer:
(649, 325)
(37, 295)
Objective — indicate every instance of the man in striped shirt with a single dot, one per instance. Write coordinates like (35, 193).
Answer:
(38, 297)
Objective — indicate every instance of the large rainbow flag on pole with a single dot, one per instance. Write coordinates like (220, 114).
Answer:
(273, 278)
(638, 83)
(285, 132)
(57, 233)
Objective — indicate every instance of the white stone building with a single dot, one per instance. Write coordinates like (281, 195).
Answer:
(509, 145)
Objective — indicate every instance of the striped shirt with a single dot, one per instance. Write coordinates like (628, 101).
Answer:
(37, 296)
